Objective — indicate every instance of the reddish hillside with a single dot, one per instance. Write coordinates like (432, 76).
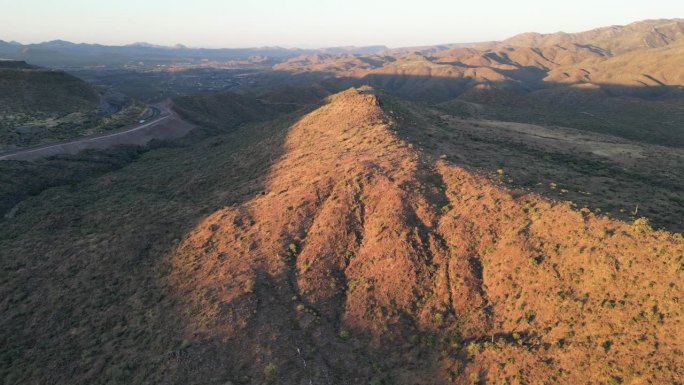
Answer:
(366, 259)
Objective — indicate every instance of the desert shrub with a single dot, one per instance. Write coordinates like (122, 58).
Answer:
(438, 318)
(474, 348)
(642, 225)
(606, 345)
(249, 286)
(475, 378)
(414, 339)
(455, 338)
(270, 373)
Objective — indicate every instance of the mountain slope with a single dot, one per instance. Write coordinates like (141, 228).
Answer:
(614, 39)
(40, 105)
(354, 242)
(25, 89)
(370, 259)
(222, 109)
(654, 68)
(32, 97)
(622, 80)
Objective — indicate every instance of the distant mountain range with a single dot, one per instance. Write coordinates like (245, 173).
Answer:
(60, 53)
(629, 75)
(614, 39)
(601, 42)
(642, 57)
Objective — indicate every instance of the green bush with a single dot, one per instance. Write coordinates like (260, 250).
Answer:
(270, 373)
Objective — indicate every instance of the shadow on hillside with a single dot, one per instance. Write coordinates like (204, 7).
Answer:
(244, 308)
(444, 88)
(83, 298)
(86, 297)
(622, 179)
(652, 114)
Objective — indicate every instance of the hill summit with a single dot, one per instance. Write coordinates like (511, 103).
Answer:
(366, 257)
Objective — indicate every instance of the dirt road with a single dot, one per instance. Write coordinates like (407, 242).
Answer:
(165, 125)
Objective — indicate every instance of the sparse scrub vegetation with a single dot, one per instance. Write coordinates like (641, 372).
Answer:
(182, 245)
(40, 105)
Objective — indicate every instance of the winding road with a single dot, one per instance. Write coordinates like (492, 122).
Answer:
(165, 124)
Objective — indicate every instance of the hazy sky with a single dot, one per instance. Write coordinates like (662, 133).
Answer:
(311, 23)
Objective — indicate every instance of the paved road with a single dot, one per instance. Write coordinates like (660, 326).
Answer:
(165, 124)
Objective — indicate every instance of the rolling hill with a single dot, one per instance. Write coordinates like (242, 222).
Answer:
(40, 105)
(25, 87)
(31, 98)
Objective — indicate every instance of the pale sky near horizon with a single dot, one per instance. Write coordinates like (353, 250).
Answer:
(311, 23)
